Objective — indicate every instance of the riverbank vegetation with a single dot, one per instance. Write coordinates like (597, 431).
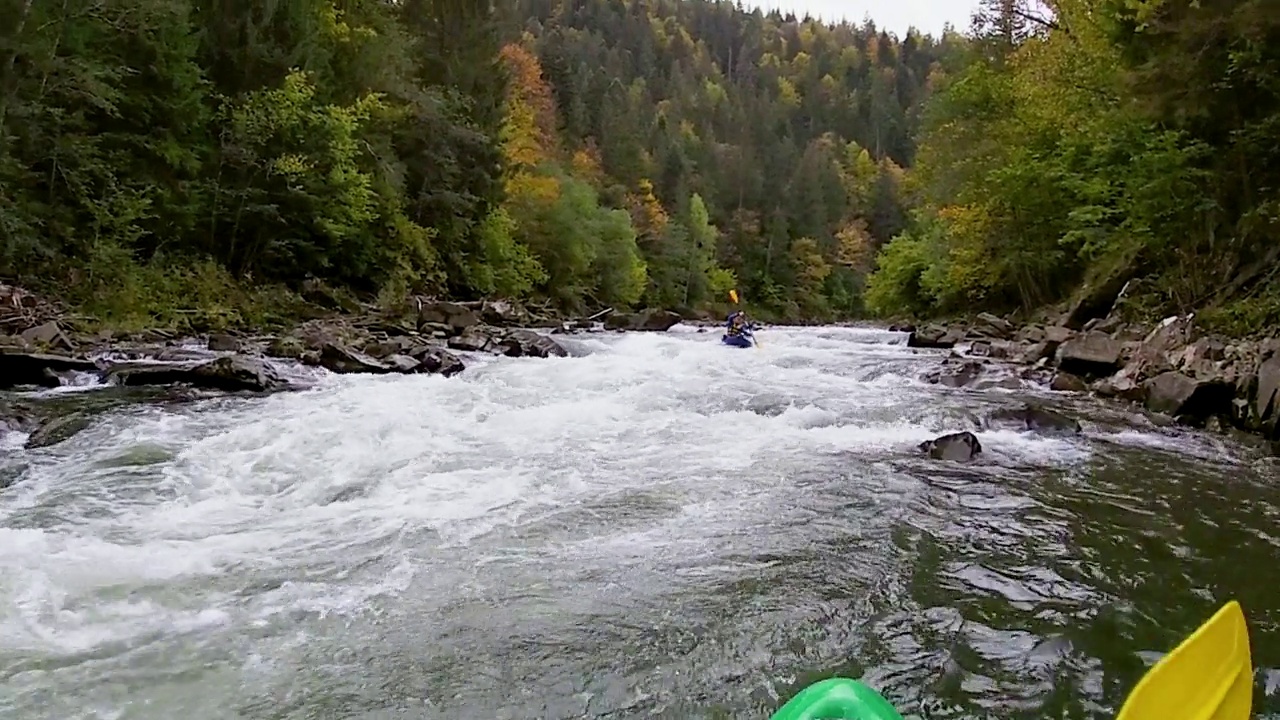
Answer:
(166, 162)
(163, 163)
(1094, 146)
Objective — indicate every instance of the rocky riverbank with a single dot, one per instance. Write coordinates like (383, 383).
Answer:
(41, 348)
(1172, 368)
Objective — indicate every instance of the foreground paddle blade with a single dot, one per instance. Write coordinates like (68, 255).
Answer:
(1208, 677)
(837, 699)
(733, 295)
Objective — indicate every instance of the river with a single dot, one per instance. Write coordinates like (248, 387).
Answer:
(656, 526)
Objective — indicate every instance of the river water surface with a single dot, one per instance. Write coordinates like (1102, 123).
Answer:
(655, 527)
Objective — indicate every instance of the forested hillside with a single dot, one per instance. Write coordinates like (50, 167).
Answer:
(165, 159)
(1097, 144)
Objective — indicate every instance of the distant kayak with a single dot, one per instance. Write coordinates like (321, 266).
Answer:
(837, 699)
(741, 341)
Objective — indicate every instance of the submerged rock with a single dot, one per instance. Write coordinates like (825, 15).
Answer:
(1031, 417)
(54, 430)
(956, 447)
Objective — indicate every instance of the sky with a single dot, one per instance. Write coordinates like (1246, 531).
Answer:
(896, 16)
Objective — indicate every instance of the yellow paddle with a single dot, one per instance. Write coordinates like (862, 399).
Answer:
(733, 297)
(1207, 677)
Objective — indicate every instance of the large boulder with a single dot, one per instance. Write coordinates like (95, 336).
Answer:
(955, 374)
(992, 326)
(646, 320)
(437, 361)
(472, 339)
(1091, 354)
(527, 343)
(231, 373)
(955, 447)
(1179, 395)
(34, 368)
(341, 359)
(453, 315)
(935, 336)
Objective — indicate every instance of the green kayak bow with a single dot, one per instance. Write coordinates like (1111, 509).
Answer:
(837, 699)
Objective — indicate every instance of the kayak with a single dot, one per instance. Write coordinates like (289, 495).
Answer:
(741, 341)
(837, 699)
(1208, 676)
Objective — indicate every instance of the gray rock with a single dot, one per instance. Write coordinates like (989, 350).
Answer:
(1030, 417)
(1066, 382)
(452, 315)
(527, 343)
(223, 343)
(1176, 394)
(1091, 354)
(232, 373)
(646, 320)
(33, 368)
(339, 359)
(935, 336)
(473, 339)
(955, 447)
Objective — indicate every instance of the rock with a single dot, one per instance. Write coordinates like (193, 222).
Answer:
(472, 339)
(383, 349)
(289, 346)
(647, 320)
(1176, 394)
(955, 374)
(934, 336)
(54, 430)
(1066, 382)
(452, 315)
(32, 368)
(1107, 325)
(980, 348)
(339, 359)
(403, 363)
(988, 325)
(232, 373)
(504, 313)
(48, 335)
(902, 327)
(1058, 334)
(223, 343)
(955, 447)
(1091, 354)
(527, 343)
(438, 361)
(1030, 417)
(1037, 352)
(1031, 334)
(1267, 396)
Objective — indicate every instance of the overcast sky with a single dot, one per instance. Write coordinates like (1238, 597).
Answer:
(896, 16)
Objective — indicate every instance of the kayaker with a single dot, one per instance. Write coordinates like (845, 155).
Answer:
(738, 324)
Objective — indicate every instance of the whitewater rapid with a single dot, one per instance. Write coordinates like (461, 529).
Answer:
(654, 526)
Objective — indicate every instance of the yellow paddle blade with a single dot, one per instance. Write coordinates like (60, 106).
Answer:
(1208, 677)
(733, 296)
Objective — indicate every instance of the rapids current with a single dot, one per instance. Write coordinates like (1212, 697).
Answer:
(656, 526)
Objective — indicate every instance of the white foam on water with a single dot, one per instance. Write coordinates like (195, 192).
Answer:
(335, 501)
